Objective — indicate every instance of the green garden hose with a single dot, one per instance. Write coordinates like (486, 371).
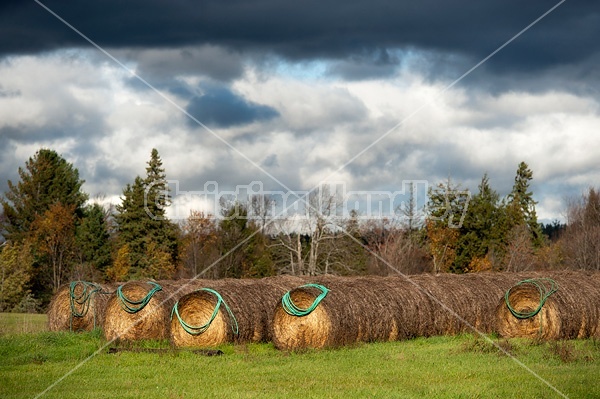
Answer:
(545, 292)
(290, 307)
(197, 330)
(131, 306)
(82, 300)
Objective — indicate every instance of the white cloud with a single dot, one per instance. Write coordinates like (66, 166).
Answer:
(92, 114)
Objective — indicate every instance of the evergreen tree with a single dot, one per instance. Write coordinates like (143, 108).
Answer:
(482, 230)
(133, 224)
(143, 224)
(42, 207)
(157, 188)
(521, 206)
(93, 238)
(156, 200)
(446, 209)
(46, 179)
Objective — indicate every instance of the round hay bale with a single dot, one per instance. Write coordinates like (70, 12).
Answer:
(139, 310)
(228, 310)
(343, 311)
(560, 305)
(79, 306)
(456, 304)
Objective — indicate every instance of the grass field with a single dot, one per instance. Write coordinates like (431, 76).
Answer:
(16, 323)
(79, 366)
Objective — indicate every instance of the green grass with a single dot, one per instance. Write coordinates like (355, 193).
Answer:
(438, 367)
(18, 323)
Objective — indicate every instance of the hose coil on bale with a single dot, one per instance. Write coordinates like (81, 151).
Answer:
(133, 306)
(197, 330)
(139, 310)
(545, 292)
(290, 307)
(79, 306)
(82, 300)
(548, 307)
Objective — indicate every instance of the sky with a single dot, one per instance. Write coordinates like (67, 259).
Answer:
(286, 96)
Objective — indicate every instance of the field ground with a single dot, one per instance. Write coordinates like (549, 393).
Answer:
(14, 323)
(70, 365)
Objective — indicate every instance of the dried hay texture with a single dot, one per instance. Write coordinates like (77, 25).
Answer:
(150, 322)
(366, 309)
(570, 312)
(460, 303)
(251, 302)
(84, 312)
(356, 309)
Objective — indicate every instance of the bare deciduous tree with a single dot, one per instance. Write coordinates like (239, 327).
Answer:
(581, 241)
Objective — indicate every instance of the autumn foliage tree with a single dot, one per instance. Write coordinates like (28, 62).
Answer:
(43, 207)
(446, 207)
(119, 270)
(47, 179)
(54, 235)
(16, 264)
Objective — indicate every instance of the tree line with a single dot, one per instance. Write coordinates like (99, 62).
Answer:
(53, 234)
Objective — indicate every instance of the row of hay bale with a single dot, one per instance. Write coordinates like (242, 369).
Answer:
(175, 309)
(550, 305)
(331, 311)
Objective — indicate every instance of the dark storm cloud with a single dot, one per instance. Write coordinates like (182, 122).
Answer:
(373, 64)
(161, 66)
(315, 29)
(221, 107)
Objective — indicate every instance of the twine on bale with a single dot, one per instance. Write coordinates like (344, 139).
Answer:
(290, 307)
(134, 306)
(197, 330)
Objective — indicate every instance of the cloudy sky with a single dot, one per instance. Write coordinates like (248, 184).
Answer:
(365, 93)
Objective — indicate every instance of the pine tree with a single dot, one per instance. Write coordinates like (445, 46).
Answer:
(46, 179)
(93, 238)
(141, 217)
(521, 206)
(157, 188)
(481, 232)
(133, 222)
(34, 209)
